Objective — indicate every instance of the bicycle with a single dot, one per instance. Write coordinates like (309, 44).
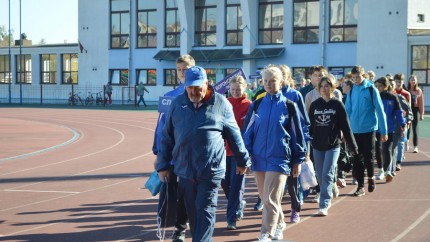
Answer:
(99, 99)
(89, 99)
(75, 99)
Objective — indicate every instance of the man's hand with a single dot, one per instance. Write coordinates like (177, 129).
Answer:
(241, 170)
(164, 174)
(384, 138)
(297, 168)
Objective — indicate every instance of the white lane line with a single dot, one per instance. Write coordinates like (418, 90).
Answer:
(413, 225)
(75, 137)
(75, 158)
(36, 191)
(80, 217)
(25, 205)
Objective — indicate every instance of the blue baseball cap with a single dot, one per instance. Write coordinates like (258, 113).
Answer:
(195, 76)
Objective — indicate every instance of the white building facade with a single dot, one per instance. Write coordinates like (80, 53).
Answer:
(128, 41)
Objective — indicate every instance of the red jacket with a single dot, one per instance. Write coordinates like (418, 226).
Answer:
(240, 108)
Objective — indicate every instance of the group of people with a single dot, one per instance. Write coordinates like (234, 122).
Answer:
(207, 141)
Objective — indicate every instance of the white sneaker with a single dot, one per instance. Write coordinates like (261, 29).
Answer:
(279, 232)
(316, 198)
(323, 212)
(265, 238)
(380, 175)
(335, 191)
(416, 149)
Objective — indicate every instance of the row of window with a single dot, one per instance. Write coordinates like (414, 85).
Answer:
(306, 22)
(48, 69)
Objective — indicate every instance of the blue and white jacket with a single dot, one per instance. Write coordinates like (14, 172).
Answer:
(365, 112)
(273, 136)
(194, 138)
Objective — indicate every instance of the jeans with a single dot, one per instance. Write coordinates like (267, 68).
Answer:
(325, 164)
(366, 147)
(141, 99)
(201, 198)
(234, 187)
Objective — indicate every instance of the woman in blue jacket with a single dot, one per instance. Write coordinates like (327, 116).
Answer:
(274, 138)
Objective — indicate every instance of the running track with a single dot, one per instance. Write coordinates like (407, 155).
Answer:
(77, 175)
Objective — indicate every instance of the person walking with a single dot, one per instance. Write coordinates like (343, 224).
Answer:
(417, 104)
(366, 114)
(196, 125)
(234, 184)
(273, 135)
(328, 122)
(141, 89)
(108, 91)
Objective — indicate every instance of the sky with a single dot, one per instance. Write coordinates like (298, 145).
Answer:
(56, 21)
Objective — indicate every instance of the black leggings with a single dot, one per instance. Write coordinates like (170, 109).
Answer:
(366, 149)
(414, 127)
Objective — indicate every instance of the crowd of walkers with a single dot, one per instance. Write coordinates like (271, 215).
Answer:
(268, 129)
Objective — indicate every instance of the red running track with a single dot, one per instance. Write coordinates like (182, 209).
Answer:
(77, 175)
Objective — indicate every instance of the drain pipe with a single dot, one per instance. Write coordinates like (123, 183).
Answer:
(323, 28)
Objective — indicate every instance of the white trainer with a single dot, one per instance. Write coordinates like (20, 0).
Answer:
(279, 232)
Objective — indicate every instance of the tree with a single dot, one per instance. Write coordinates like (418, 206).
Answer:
(4, 36)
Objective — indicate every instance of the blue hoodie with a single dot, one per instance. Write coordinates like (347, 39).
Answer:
(365, 112)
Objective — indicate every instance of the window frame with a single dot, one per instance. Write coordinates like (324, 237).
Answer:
(122, 73)
(5, 70)
(121, 35)
(307, 29)
(69, 69)
(238, 32)
(422, 72)
(343, 27)
(271, 29)
(26, 73)
(146, 36)
(198, 33)
(176, 35)
(146, 83)
(170, 73)
(45, 70)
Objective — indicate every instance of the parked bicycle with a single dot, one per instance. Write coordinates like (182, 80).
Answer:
(74, 99)
(99, 99)
(89, 99)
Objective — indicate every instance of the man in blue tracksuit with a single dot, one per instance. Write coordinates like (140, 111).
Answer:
(196, 125)
(366, 113)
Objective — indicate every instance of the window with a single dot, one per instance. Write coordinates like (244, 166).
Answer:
(170, 77)
(5, 74)
(211, 74)
(271, 22)
(421, 63)
(23, 69)
(173, 26)
(421, 18)
(205, 22)
(48, 65)
(147, 76)
(301, 72)
(70, 69)
(306, 21)
(343, 20)
(228, 71)
(120, 23)
(340, 71)
(119, 77)
(233, 22)
(146, 24)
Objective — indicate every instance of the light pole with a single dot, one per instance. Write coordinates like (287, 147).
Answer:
(10, 65)
(20, 56)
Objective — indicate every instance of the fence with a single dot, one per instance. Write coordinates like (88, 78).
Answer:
(60, 94)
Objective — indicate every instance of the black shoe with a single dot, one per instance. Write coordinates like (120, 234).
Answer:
(258, 206)
(178, 236)
(372, 186)
(398, 166)
(360, 192)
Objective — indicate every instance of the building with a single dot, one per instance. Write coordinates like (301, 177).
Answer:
(128, 41)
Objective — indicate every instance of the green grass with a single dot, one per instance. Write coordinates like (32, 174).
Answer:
(424, 128)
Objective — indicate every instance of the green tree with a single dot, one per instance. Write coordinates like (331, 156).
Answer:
(4, 36)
